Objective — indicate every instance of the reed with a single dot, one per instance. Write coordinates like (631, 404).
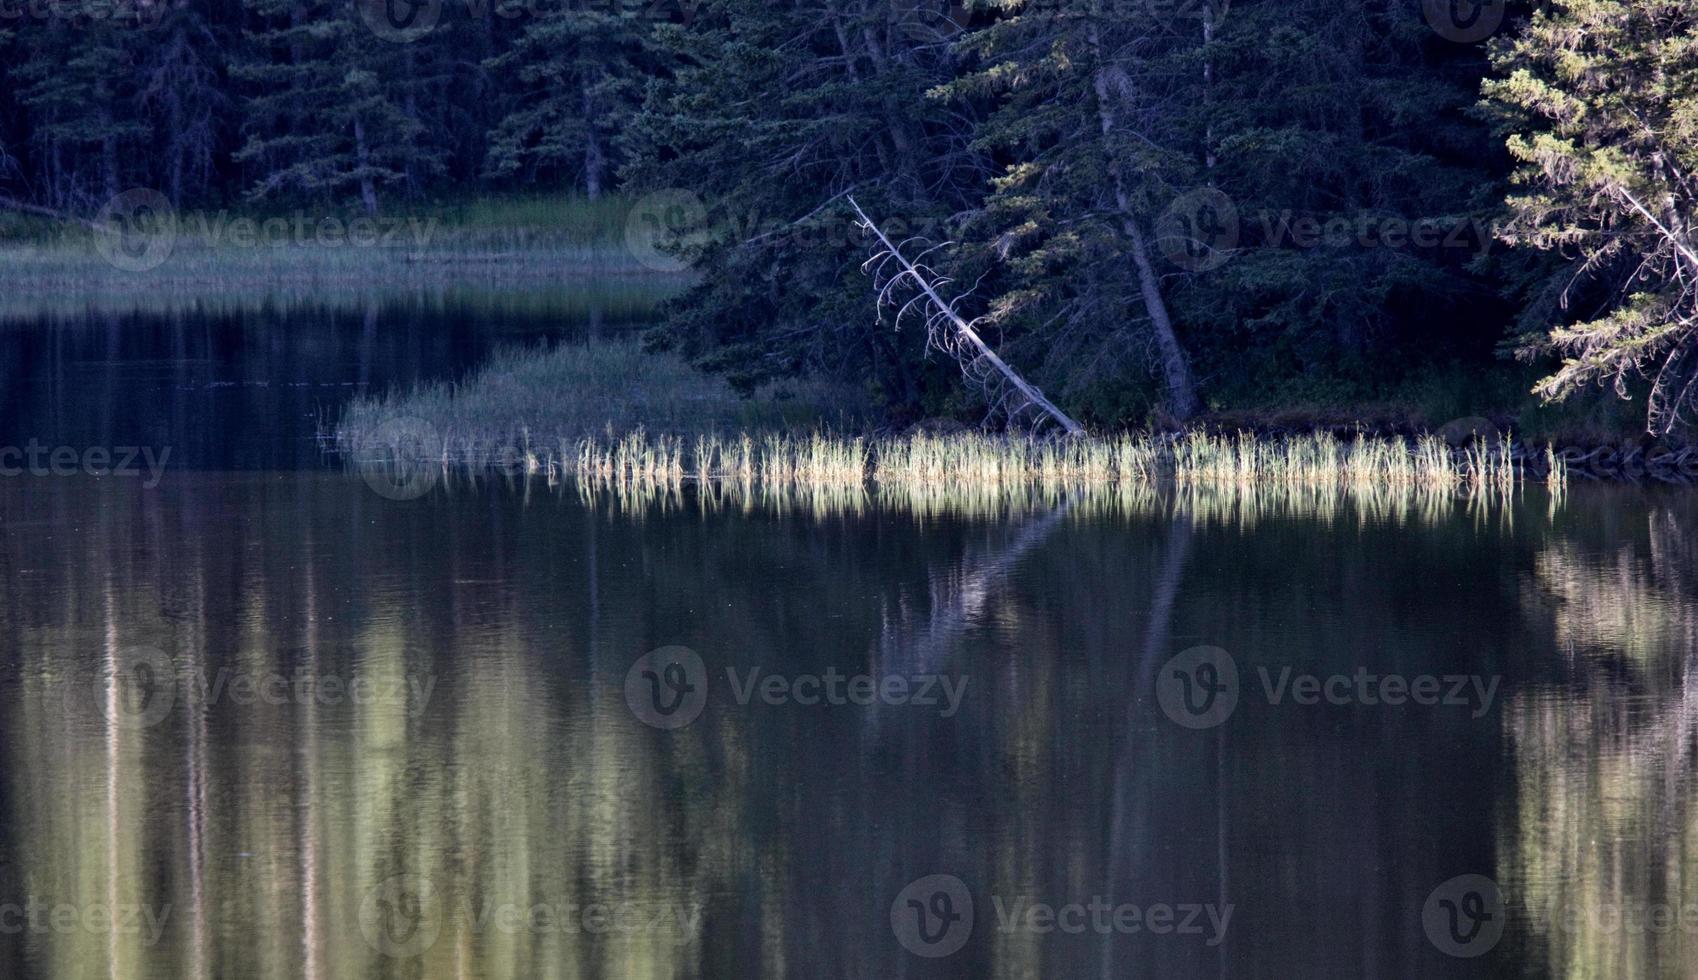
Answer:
(1223, 506)
(1232, 481)
(921, 464)
(615, 414)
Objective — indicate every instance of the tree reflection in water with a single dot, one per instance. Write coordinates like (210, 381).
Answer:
(498, 787)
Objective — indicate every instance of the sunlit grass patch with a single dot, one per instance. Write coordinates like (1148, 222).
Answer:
(921, 465)
(607, 413)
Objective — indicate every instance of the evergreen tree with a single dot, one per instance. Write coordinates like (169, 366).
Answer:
(8, 160)
(332, 106)
(1155, 159)
(775, 114)
(183, 90)
(578, 76)
(1364, 191)
(1097, 121)
(76, 83)
(1600, 100)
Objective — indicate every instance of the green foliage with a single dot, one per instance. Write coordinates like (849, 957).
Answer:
(776, 113)
(328, 106)
(1600, 102)
(1148, 207)
(1216, 136)
(579, 76)
(1086, 118)
(73, 78)
(539, 397)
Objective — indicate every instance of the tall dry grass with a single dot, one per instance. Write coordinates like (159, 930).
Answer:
(607, 413)
(923, 465)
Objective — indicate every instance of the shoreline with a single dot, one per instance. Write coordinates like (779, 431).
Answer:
(822, 457)
(518, 242)
(824, 461)
(610, 412)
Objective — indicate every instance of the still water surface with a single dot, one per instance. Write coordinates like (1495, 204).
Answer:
(283, 726)
(249, 385)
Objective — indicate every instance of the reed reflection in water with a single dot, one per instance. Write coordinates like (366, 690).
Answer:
(390, 738)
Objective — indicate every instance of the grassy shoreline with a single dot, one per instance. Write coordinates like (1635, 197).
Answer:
(1201, 504)
(825, 460)
(624, 298)
(534, 399)
(514, 243)
(608, 414)
(516, 246)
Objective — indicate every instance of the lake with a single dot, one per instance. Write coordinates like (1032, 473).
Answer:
(264, 720)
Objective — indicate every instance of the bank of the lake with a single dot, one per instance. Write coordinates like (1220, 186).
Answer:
(148, 251)
(608, 412)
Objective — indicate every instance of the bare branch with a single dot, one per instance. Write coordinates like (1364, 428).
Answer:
(948, 332)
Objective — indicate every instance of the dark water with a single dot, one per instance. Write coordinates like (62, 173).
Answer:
(259, 720)
(477, 794)
(242, 386)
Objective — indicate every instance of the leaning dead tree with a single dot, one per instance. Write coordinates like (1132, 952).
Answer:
(913, 288)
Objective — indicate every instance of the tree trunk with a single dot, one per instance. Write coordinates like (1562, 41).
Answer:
(901, 139)
(109, 165)
(368, 190)
(1176, 373)
(595, 162)
(1181, 393)
(964, 332)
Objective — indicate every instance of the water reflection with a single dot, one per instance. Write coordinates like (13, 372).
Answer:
(1601, 839)
(1233, 506)
(394, 739)
(249, 384)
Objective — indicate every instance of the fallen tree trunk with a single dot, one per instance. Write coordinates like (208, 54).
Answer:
(948, 331)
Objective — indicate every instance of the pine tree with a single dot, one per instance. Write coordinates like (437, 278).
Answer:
(579, 75)
(774, 115)
(1097, 117)
(1153, 156)
(1600, 100)
(332, 107)
(76, 82)
(183, 92)
(1364, 192)
(8, 159)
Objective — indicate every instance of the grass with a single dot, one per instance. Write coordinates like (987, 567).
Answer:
(511, 242)
(519, 220)
(1202, 505)
(1234, 481)
(605, 414)
(619, 300)
(603, 408)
